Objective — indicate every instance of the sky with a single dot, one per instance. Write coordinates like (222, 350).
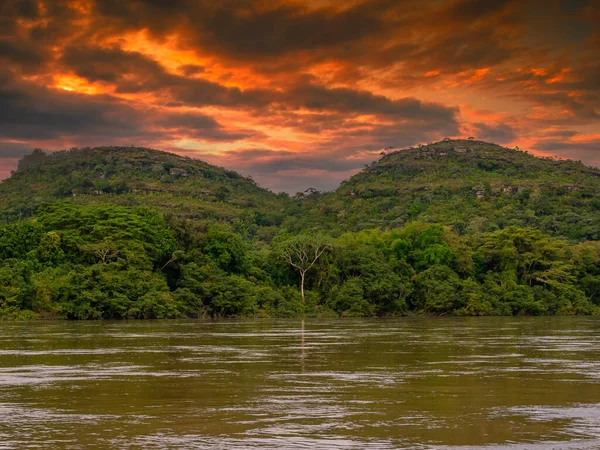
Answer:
(298, 94)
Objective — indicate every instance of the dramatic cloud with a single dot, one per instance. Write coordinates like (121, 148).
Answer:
(499, 134)
(298, 93)
(585, 148)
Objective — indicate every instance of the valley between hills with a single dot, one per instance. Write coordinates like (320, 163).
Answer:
(456, 227)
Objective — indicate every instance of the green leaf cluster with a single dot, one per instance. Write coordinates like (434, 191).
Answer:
(452, 228)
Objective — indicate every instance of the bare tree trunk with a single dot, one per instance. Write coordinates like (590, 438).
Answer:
(168, 262)
(302, 285)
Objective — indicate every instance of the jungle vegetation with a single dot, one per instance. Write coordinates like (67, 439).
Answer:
(451, 228)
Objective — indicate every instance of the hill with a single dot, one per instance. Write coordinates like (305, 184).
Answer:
(472, 186)
(455, 227)
(133, 176)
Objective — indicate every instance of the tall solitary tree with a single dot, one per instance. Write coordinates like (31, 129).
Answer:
(302, 252)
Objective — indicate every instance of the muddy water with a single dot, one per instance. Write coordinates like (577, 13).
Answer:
(525, 383)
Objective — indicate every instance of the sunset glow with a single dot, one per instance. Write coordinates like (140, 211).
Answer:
(298, 93)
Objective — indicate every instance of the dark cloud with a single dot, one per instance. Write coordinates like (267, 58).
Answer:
(133, 72)
(469, 10)
(201, 92)
(114, 65)
(291, 172)
(592, 145)
(192, 121)
(159, 17)
(13, 150)
(500, 133)
(191, 69)
(329, 83)
(28, 8)
(11, 10)
(585, 78)
(311, 96)
(197, 126)
(247, 29)
(560, 133)
(372, 139)
(32, 30)
(30, 112)
(583, 108)
(586, 151)
(283, 29)
(456, 52)
(27, 56)
(422, 33)
(325, 164)
(33, 112)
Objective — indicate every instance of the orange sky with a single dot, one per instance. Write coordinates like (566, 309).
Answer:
(298, 94)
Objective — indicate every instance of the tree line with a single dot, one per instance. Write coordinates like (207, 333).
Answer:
(103, 261)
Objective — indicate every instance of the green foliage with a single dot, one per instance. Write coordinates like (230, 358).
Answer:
(453, 228)
(231, 295)
(20, 238)
(349, 299)
(132, 234)
(437, 290)
(226, 249)
(133, 176)
(471, 186)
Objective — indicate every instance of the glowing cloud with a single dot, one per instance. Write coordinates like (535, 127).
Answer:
(297, 93)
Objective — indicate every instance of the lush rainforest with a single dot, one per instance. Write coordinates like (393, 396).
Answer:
(450, 228)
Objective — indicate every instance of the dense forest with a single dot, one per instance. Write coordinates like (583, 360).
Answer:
(458, 227)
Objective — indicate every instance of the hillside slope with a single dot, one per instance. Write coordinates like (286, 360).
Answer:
(473, 186)
(137, 177)
(456, 227)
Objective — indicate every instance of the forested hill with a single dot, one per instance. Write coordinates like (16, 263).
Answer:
(472, 186)
(136, 176)
(451, 228)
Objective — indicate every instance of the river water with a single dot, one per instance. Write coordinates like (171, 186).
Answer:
(414, 383)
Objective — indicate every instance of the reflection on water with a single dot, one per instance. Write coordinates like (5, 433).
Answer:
(494, 383)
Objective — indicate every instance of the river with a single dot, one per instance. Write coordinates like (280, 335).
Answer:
(409, 383)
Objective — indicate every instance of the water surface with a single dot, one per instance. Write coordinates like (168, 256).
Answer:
(496, 383)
